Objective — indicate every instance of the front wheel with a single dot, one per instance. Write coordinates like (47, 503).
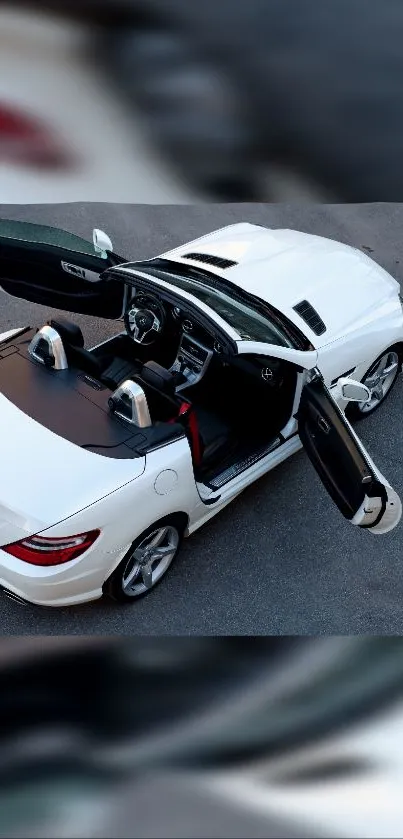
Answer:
(380, 379)
(146, 563)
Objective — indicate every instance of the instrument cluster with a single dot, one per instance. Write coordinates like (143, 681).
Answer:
(183, 322)
(147, 301)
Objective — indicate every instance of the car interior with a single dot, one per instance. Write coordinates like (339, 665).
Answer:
(180, 381)
(229, 406)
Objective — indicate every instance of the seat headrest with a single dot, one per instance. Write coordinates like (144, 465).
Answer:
(69, 332)
(159, 377)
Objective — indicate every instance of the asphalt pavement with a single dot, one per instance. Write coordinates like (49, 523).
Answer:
(280, 559)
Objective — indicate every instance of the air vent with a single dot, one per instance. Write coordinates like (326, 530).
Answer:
(310, 316)
(218, 261)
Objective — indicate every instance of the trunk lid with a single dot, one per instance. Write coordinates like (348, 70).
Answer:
(45, 478)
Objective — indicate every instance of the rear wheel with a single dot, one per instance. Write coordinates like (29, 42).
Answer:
(147, 561)
(380, 379)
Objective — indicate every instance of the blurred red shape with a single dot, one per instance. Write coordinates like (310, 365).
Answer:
(25, 140)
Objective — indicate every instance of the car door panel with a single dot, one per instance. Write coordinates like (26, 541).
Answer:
(53, 268)
(346, 470)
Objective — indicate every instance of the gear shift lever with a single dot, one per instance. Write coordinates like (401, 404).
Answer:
(179, 377)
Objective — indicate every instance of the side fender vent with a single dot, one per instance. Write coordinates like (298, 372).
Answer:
(310, 316)
(218, 261)
(129, 402)
(47, 348)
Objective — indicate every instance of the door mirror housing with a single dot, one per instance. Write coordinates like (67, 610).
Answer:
(102, 242)
(354, 391)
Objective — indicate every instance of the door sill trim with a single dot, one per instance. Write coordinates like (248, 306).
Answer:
(236, 469)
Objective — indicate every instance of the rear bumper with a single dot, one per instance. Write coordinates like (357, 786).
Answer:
(30, 595)
(14, 597)
(66, 585)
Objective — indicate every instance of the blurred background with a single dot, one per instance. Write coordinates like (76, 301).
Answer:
(171, 101)
(160, 101)
(137, 737)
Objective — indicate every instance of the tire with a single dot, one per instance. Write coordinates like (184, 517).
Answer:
(166, 534)
(356, 411)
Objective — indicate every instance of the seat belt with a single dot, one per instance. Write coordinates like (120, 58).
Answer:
(187, 412)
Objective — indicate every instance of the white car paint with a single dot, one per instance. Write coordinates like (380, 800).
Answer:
(27, 508)
(121, 515)
(284, 266)
(123, 498)
(357, 299)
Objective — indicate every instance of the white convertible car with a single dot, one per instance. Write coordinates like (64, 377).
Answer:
(238, 349)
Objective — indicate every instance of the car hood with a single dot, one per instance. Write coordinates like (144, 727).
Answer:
(46, 479)
(286, 267)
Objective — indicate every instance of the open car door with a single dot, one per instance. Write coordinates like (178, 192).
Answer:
(351, 478)
(54, 268)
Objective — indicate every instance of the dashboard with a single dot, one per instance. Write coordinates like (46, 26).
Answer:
(196, 332)
(179, 318)
(196, 346)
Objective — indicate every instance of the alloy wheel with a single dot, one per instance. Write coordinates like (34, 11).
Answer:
(150, 560)
(379, 380)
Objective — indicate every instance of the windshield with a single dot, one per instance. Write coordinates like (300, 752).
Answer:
(246, 318)
(42, 234)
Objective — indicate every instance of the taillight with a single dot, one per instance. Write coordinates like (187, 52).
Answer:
(41, 550)
(25, 140)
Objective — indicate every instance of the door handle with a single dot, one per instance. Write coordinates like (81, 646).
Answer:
(323, 425)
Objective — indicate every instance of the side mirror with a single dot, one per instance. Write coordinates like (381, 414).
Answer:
(102, 242)
(354, 391)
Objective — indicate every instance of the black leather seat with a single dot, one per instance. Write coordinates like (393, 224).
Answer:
(158, 377)
(117, 371)
(105, 367)
(215, 434)
(159, 386)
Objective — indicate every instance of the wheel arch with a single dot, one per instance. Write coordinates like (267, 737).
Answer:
(397, 345)
(179, 518)
(352, 412)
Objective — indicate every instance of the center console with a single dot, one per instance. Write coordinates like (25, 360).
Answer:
(192, 361)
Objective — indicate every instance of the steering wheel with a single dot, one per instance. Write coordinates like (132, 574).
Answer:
(142, 323)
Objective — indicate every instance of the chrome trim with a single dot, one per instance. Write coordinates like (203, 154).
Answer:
(12, 333)
(108, 341)
(237, 468)
(55, 347)
(189, 365)
(14, 597)
(129, 402)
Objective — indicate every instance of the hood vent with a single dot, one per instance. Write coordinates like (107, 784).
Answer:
(310, 316)
(218, 261)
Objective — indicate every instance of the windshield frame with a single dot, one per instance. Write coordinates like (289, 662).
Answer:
(142, 281)
(160, 268)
